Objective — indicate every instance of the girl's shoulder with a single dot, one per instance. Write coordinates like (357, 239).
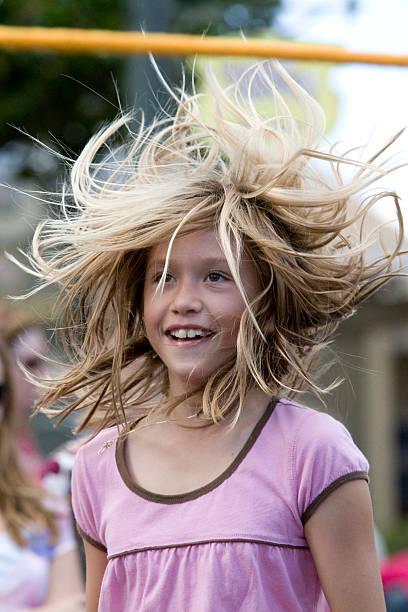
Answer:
(94, 458)
(319, 454)
(314, 436)
(305, 422)
(97, 445)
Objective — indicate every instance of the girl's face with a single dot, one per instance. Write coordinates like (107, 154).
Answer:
(193, 323)
(25, 349)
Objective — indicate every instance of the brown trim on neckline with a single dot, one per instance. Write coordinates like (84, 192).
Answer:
(88, 538)
(201, 542)
(183, 497)
(332, 487)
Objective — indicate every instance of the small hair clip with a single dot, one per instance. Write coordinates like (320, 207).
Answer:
(106, 445)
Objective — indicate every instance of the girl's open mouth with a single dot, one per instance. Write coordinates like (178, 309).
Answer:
(189, 335)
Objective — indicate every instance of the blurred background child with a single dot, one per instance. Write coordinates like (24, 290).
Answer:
(39, 566)
(26, 342)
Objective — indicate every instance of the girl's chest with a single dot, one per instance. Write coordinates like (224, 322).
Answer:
(171, 460)
(247, 501)
(188, 460)
(195, 491)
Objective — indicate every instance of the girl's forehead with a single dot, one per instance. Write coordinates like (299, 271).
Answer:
(29, 340)
(192, 243)
(202, 248)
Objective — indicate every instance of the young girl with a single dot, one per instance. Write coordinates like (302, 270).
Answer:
(39, 566)
(25, 340)
(202, 266)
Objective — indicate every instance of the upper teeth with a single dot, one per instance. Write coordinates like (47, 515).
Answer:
(187, 333)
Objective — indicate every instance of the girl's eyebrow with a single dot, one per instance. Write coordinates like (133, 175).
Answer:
(206, 261)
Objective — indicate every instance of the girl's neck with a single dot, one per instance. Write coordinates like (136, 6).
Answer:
(191, 407)
(185, 409)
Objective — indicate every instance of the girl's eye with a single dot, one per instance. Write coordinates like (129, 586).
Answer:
(33, 363)
(167, 279)
(215, 276)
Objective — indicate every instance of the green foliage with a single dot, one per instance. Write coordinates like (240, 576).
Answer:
(396, 536)
(62, 13)
(63, 98)
(40, 91)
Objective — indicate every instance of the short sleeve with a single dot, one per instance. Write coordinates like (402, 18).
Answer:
(85, 500)
(324, 457)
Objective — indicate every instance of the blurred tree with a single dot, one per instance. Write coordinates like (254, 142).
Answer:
(37, 97)
(141, 84)
(61, 99)
(50, 95)
(217, 17)
(214, 17)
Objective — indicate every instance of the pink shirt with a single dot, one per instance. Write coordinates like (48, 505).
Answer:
(236, 544)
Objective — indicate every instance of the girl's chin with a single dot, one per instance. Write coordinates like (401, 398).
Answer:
(188, 381)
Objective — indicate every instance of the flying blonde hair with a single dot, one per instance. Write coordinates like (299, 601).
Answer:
(253, 178)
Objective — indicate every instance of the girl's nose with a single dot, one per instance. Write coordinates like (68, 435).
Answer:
(186, 298)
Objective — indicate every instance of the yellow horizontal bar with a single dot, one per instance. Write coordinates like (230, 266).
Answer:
(106, 41)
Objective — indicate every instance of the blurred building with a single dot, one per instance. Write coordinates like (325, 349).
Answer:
(370, 352)
(372, 356)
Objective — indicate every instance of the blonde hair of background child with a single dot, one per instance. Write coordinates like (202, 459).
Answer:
(254, 179)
